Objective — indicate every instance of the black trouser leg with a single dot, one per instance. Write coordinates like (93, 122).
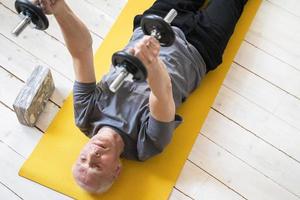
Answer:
(186, 11)
(215, 25)
(208, 30)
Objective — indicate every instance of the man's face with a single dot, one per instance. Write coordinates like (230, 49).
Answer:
(98, 159)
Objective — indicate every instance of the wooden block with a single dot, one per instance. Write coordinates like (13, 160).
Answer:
(33, 97)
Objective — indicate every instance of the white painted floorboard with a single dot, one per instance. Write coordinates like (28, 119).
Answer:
(7, 194)
(177, 195)
(248, 147)
(276, 32)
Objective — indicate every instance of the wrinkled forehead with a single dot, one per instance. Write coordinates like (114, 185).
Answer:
(105, 130)
(87, 147)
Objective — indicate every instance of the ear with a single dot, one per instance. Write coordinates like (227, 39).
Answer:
(118, 170)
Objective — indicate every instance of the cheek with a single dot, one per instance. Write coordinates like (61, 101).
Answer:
(106, 158)
(78, 171)
(110, 158)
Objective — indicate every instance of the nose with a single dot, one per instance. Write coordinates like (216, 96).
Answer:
(94, 155)
(94, 159)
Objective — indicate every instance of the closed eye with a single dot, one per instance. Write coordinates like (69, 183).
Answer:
(103, 146)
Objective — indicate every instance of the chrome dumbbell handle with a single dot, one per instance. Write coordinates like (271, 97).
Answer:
(130, 68)
(31, 13)
(116, 84)
(21, 26)
(170, 16)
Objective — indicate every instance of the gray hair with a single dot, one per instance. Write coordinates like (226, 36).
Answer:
(103, 187)
(105, 184)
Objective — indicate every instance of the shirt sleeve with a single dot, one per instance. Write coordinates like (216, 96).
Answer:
(85, 96)
(154, 136)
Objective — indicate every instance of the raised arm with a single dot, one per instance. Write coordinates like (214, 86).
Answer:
(76, 36)
(162, 106)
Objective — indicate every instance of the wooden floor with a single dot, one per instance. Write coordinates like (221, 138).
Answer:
(249, 146)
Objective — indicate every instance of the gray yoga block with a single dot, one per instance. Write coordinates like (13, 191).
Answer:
(33, 97)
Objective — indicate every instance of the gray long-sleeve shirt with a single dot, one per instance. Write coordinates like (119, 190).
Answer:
(127, 110)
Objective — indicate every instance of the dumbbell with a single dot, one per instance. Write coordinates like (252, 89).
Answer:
(30, 13)
(160, 28)
(130, 65)
(152, 25)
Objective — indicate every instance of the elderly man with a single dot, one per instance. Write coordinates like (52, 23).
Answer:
(138, 120)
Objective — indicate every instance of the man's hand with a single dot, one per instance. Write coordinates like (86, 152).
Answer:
(147, 50)
(51, 6)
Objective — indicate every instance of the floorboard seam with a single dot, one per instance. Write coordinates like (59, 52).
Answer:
(10, 190)
(11, 148)
(249, 165)
(34, 56)
(24, 82)
(230, 188)
(255, 135)
(261, 107)
(286, 10)
(10, 73)
(96, 34)
(13, 11)
(266, 52)
(277, 86)
(184, 193)
(2, 103)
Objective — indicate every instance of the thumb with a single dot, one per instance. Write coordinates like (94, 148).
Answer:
(131, 51)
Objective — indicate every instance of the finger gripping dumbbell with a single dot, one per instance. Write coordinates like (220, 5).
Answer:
(30, 13)
(130, 65)
(159, 27)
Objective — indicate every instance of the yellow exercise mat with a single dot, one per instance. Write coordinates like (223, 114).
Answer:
(51, 161)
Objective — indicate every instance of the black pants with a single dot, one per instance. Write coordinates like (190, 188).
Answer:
(208, 29)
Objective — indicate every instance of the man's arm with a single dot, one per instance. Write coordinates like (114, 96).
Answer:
(77, 38)
(161, 102)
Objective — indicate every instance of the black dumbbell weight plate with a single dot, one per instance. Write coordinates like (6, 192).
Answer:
(132, 64)
(150, 22)
(36, 14)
